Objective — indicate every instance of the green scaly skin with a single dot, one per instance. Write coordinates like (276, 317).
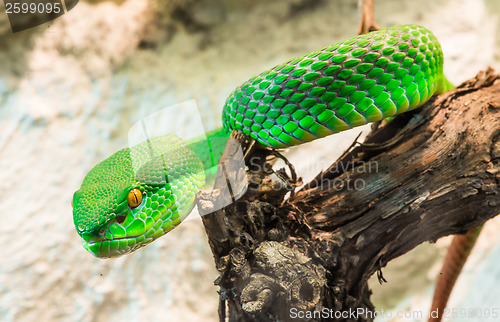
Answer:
(354, 82)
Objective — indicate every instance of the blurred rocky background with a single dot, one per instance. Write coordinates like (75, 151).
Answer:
(70, 90)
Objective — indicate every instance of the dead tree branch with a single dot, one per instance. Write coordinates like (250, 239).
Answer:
(425, 174)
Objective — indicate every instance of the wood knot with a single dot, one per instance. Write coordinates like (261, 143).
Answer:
(288, 277)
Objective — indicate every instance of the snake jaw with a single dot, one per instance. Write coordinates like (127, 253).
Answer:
(92, 244)
(105, 247)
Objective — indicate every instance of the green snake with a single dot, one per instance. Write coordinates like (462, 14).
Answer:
(140, 193)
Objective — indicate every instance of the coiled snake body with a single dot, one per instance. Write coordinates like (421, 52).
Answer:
(130, 199)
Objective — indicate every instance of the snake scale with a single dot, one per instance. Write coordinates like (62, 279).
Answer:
(131, 198)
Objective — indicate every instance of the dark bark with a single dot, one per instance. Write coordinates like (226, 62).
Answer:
(424, 175)
(367, 23)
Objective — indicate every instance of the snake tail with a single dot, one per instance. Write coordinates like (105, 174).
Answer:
(456, 256)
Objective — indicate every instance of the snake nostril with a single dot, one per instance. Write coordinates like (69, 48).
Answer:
(102, 231)
(120, 219)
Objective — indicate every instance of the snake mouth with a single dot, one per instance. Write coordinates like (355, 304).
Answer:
(105, 247)
(102, 247)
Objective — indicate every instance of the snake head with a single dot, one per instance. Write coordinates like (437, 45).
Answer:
(136, 195)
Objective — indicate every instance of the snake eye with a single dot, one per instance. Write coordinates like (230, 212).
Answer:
(134, 198)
